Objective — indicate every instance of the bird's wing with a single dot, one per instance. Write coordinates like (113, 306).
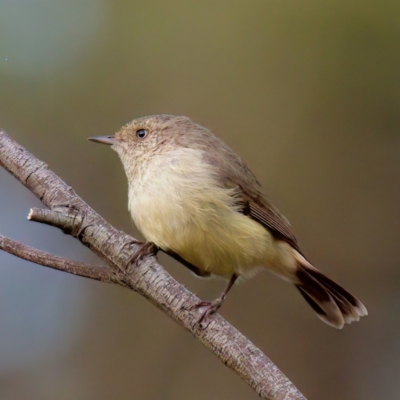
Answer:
(233, 173)
(259, 209)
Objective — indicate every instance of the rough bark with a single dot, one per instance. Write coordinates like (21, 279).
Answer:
(71, 214)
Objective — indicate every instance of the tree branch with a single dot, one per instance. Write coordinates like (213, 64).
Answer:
(49, 260)
(148, 277)
(67, 220)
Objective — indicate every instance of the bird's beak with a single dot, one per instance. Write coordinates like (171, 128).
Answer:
(103, 139)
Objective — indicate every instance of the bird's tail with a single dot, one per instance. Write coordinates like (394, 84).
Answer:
(333, 304)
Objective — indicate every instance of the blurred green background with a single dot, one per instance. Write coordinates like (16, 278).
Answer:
(308, 92)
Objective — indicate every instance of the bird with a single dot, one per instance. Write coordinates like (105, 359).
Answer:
(193, 197)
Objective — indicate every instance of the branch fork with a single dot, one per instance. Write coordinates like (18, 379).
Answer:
(145, 275)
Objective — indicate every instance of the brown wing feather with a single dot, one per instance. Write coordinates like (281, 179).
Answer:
(234, 173)
(261, 211)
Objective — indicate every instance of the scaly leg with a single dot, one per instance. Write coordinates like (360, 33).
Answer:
(146, 249)
(213, 306)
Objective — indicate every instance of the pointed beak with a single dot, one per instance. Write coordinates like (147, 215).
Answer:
(103, 139)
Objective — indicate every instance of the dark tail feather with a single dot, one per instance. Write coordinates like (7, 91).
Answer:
(333, 304)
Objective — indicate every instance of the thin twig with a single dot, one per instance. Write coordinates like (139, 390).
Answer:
(147, 277)
(68, 220)
(52, 261)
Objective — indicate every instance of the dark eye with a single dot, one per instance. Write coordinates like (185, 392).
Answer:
(141, 133)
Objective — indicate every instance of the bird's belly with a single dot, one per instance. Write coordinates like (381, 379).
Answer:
(203, 228)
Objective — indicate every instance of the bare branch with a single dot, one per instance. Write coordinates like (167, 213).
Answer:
(67, 221)
(148, 277)
(49, 260)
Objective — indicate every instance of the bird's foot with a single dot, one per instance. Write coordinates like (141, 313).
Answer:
(211, 307)
(146, 249)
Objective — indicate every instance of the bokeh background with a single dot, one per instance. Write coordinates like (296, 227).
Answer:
(308, 92)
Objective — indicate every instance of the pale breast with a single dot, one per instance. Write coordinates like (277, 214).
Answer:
(177, 203)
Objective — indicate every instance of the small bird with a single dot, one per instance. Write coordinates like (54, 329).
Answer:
(193, 197)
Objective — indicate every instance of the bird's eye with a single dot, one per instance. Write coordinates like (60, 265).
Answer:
(141, 133)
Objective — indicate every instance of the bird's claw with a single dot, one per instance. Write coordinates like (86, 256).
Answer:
(147, 249)
(211, 307)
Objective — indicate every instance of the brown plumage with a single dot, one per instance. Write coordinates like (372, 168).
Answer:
(195, 198)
